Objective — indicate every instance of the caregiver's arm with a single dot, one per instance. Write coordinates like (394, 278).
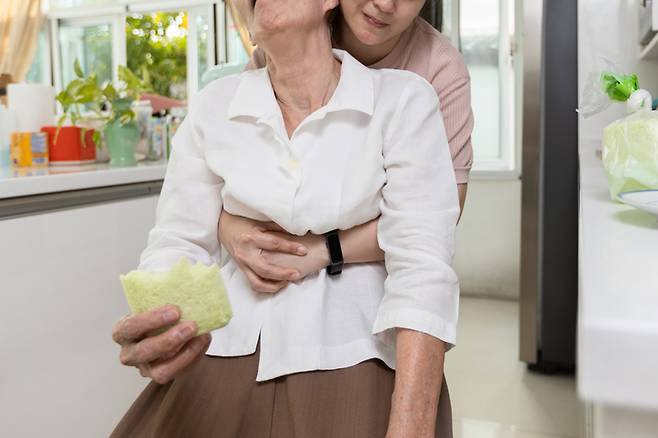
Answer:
(419, 212)
(244, 239)
(270, 257)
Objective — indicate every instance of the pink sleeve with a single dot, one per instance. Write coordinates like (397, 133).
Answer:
(453, 86)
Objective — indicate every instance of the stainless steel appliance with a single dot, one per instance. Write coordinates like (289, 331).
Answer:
(549, 232)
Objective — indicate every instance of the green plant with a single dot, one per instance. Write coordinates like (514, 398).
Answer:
(103, 103)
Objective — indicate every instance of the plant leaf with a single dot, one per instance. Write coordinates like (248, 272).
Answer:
(97, 138)
(78, 69)
(110, 92)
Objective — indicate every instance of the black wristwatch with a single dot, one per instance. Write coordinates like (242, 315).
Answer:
(335, 253)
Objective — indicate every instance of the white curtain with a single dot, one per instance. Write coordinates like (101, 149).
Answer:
(20, 22)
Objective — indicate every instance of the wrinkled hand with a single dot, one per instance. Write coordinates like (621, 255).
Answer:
(246, 240)
(161, 357)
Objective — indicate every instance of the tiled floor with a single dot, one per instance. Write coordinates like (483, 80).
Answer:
(493, 395)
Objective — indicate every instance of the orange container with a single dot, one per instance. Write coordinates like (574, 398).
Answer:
(29, 149)
(70, 148)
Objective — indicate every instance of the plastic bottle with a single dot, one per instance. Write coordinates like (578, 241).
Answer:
(143, 110)
(158, 137)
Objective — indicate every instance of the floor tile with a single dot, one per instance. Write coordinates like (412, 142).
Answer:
(466, 428)
(490, 386)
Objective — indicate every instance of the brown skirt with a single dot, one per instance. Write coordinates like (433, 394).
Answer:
(219, 397)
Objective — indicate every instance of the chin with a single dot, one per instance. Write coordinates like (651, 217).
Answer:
(369, 38)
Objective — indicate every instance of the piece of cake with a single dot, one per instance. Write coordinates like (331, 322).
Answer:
(197, 290)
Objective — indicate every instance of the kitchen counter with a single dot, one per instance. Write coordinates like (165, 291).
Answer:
(618, 298)
(39, 190)
(54, 179)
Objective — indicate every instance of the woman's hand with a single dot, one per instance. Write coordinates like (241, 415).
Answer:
(246, 240)
(317, 257)
(162, 357)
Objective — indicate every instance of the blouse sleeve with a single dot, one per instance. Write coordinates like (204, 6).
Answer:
(188, 209)
(419, 212)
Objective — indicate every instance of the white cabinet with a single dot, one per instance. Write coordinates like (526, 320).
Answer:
(59, 298)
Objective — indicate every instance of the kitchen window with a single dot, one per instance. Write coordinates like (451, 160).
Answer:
(483, 30)
(90, 42)
(40, 72)
(181, 37)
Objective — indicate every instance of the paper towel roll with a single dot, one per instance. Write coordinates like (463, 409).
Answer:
(34, 105)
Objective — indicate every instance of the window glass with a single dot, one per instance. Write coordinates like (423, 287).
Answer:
(479, 43)
(91, 45)
(37, 72)
(236, 52)
(203, 32)
(158, 41)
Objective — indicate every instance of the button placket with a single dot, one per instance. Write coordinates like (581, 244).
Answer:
(289, 162)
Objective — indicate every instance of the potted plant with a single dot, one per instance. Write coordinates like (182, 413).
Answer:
(76, 143)
(107, 107)
(121, 129)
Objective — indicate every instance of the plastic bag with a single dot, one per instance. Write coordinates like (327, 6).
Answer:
(595, 99)
(604, 87)
(630, 153)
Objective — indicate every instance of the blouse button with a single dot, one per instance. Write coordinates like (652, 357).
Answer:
(293, 164)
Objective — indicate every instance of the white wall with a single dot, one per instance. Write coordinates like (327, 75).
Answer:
(488, 240)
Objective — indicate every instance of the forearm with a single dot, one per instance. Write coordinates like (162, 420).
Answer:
(359, 244)
(461, 190)
(418, 379)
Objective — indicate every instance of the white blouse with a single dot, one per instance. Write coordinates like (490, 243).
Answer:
(377, 148)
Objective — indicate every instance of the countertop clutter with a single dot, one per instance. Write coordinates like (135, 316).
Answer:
(39, 156)
(618, 302)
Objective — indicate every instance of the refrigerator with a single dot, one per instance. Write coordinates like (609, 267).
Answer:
(549, 230)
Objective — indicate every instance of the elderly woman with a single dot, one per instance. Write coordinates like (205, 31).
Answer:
(315, 143)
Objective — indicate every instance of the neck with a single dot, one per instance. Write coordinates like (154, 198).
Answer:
(304, 75)
(367, 55)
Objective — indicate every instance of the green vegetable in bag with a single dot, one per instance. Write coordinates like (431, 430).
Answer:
(630, 153)
(619, 87)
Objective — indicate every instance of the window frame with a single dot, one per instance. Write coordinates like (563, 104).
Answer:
(56, 23)
(508, 165)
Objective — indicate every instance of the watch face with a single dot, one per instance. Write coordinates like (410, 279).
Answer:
(335, 253)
